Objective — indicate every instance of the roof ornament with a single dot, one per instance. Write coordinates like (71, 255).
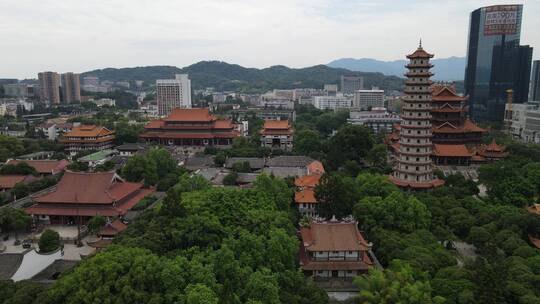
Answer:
(420, 44)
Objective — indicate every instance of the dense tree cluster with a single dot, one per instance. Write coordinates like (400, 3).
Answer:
(327, 136)
(157, 167)
(202, 245)
(10, 147)
(421, 230)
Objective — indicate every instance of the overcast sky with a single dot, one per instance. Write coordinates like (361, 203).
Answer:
(79, 36)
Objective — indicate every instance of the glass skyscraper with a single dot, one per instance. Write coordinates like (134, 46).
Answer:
(535, 81)
(495, 61)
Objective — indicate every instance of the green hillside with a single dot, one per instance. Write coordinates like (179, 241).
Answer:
(225, 76)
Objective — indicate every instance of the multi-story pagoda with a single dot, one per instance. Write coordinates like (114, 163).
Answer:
(414, 168)
(449, 117)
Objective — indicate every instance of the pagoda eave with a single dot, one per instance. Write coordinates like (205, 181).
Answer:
(417, 185)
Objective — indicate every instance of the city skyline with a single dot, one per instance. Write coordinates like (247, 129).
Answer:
(80, 36)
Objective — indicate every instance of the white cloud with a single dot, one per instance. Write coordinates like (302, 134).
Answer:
(82, 35)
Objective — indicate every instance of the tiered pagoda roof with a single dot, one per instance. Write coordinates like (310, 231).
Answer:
(467, 127)
(492, 151)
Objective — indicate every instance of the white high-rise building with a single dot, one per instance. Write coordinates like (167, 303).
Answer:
(331, 102)
(367, 99)
(173, 93)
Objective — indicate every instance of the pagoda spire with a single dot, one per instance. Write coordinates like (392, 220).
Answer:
(420, 44)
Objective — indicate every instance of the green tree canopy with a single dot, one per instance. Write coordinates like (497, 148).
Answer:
(351, 142)
(400, 283)
(49, 241)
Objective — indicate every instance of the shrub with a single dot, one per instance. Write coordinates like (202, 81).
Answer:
(242, 167)
(144, 203)
(95, 223)
(230, 179)
(49, 241)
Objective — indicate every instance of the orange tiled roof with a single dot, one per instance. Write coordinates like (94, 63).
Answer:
(276, 124)
(111, 229)
(88, 131)
(306, 196)
(223, 124)
(307, 180)
(535, 208)
(494, 147)
(89, 188)
(535, 241)
(155, 124)
(332, 236)
(9, 181)
(43, 166)
(315, 167)
(446, 93)
(419, 53)
(468, 126)
(191, 115)
(451, 150)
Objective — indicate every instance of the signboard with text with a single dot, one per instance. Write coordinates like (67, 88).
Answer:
(501, 20)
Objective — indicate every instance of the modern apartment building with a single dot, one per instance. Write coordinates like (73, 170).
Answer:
(351, 84)
(367, 99)
(71, 88)
(49, 83)
(173, 93)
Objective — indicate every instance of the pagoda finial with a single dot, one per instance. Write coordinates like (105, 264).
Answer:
(420, 44)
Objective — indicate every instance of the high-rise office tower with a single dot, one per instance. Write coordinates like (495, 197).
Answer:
(535, 81)
(414, 168)
(173, 93)
(71, 88)
(495, 61)
(49, 83)
(351, 84)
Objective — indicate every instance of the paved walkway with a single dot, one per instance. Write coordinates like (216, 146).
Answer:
(33, 263)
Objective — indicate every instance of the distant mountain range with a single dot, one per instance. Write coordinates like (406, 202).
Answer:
(225, 76)
(446, 69)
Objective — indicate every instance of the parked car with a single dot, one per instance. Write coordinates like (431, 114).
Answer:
(27, 244)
